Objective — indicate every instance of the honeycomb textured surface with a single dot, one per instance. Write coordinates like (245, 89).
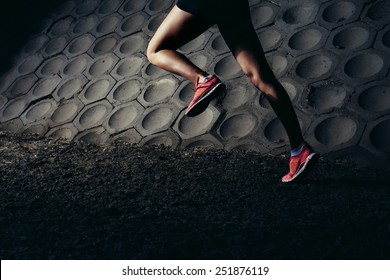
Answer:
(85, 77)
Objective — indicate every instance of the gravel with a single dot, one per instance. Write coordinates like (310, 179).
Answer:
(79, 201)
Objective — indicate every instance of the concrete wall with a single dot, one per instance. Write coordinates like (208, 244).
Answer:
(84, 76)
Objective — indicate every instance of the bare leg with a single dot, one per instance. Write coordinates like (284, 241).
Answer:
(177, 29)
(245, 46)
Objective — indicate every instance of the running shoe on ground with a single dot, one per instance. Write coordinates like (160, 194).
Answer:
(301, 164)
(204, 93)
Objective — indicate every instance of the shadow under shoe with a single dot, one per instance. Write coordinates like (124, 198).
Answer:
(204, 102)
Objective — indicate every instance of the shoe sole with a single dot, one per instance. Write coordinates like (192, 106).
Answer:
(311, 160)
(204, 102)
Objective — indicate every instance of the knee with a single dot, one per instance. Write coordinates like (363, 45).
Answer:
(265, 83)
(151, 54)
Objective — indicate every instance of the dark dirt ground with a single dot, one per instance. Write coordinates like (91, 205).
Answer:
(77, 201)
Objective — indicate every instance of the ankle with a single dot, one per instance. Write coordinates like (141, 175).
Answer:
(297, 150)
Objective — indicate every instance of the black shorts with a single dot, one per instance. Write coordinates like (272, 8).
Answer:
(217, 11)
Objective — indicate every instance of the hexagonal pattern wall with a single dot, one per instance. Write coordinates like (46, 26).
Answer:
(85, 77)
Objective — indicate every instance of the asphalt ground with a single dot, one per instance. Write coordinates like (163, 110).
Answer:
(78, 201)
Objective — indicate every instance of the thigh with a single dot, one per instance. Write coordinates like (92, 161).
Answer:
(242, 40)
(177, 29)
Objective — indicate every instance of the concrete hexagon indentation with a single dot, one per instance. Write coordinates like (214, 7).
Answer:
(315, 66)
(6, 80)
(292, 88)
(104, 45)
(61, 27)
(377, 13)
(339, 11)
(126, 90)
(107, 25)
(14, 108)
(238, 125)
(79, 45)
(217, 44)
(335, 130)
(383, 40)
(93, 115)
(132, 24)
(101, 65)
(38, 111)
(131, 7)
(184, 94)
(35, 44)
(325, 98)
(128, 66)
(129, 136)
(197, 44)
(376, 138)
(151, 72)
(351, 37)
(21, 86)
(123, 117)
(364, 65)
(306, 39)
(69, 87)
(275, 132)
(84, 25)
(263, 14)
(96, 89)
(158, 91)
(39, 128)
(13, 126)
(270, 38)
(157, 119)
(238, 93)
(95, 136)
(227, 67)
(195, 126)
(52, 66)
(108, 7)
(55, 46)
(86, 7)
(157, 6)
(76, 65)
(299, 14)
(166, 138)
(386, 38)
(66, 112)
(375, 97)
(380, 136)
(153, 23)
(131, 45)
(45, 87)
(201, 59)
(279, 62)
(65, 133)
(29, 64)
(3, 101)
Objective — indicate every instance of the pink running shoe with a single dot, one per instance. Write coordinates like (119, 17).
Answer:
(301, 164)
(204, 93)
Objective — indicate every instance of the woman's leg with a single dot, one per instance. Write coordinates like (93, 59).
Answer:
(245, 46)
(177, 29)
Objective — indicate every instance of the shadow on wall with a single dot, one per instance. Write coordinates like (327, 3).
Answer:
(18, 20)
